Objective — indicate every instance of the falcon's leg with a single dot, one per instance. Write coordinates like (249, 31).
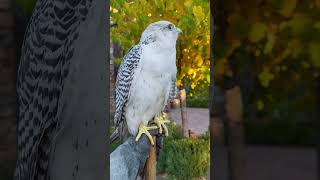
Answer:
(159, 121)
(143, 129)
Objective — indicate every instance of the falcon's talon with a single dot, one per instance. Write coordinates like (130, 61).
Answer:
(160, 122)
(143, 129)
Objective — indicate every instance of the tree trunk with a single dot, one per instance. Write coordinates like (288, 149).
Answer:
(235, 133)
(183, 104)
(8, 96)
(112, 82)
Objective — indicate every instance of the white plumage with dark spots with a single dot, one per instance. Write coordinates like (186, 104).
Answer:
(146, 79)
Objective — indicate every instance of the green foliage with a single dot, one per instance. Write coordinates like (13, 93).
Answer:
(176, 132)
(277, 132)
(198, 101)
(279, 43)
(184, 158)
(192, 16)
(198, 97)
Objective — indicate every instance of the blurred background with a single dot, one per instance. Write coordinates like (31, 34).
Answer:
(266, 101)
(186, 152)
(264, 116)
(14, 16)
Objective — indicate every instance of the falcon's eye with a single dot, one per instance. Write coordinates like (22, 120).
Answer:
(170, 26)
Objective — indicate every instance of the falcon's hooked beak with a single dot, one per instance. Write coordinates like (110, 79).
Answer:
(178, 30)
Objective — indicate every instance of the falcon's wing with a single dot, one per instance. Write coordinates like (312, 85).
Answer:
(47, 50)
(124, 80)
(174, 91)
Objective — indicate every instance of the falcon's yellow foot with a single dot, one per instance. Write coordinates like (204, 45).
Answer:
(159, 121)
(144, 130)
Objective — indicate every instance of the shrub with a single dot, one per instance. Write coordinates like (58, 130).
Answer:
(184, 158)
(198, 101)
(176, 131)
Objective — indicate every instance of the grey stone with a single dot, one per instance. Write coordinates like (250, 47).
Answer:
(128, 160)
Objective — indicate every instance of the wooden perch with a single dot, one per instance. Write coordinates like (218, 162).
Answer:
(151, 165)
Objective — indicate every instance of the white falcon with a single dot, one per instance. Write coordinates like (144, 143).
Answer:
(146, 80)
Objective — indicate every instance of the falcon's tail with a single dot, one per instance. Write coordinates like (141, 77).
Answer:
(114, 136)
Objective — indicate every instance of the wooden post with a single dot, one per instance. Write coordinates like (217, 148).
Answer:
(235, 133)
(234, 127)
(151, 165)
(183, 103)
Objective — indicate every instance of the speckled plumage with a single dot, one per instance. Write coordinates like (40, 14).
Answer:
(47, 51)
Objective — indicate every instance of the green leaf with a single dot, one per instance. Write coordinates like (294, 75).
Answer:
(258, 32)
(314, 52)
(271, 38)
(288, 7)
(198, 13)
(265, 77)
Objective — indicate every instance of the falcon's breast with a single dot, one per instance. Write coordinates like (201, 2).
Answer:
(150, 88)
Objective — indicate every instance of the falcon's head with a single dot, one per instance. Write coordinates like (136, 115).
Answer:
(161, 31)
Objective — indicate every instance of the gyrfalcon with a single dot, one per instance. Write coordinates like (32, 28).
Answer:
(146, 79)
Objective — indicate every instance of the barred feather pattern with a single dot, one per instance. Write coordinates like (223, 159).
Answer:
(124, 80)
(47, 50)
(174, 91)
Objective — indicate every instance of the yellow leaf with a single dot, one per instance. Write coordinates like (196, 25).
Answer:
(178, 83)
(258, 31)
(114, 10)
(208, 78)
(288, 7)
(190, 71)
(271, 38)
(314, 52)
(260, 105)
(199, 60)
(193, 86)
(265, 77)
(198, 13)
(188, 3)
